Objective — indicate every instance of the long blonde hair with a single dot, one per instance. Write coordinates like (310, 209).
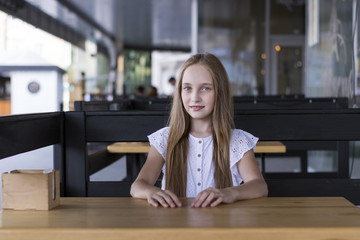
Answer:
(180, 125)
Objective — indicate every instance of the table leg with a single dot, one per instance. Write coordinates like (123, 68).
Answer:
(263, 163)
(134, 163)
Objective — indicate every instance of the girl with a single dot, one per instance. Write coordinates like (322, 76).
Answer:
(200, 153)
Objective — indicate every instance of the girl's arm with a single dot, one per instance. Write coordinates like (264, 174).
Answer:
(254, 186)
(143, 187)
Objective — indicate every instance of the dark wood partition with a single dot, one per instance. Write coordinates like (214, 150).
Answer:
(25, 132)
(72, 132)
(333, 126)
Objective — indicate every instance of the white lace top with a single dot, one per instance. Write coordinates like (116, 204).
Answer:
(200, 173)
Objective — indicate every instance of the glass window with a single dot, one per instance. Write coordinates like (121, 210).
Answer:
(289, 70)
(287, 17)
(330, 49)
(137, 72)
(234, 32)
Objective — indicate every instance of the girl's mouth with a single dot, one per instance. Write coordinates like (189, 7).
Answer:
(196, 108)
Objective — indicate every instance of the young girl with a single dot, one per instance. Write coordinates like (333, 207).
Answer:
(201, 155)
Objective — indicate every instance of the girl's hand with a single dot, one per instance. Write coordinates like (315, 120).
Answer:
(164, 198)
(212, 197)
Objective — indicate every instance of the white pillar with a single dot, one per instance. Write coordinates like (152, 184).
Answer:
(194, 26)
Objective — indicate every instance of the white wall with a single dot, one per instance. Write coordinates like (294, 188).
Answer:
(47, 99)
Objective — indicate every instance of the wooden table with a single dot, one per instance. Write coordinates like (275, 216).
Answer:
(127, 218)
(143, 147)
(262, 147)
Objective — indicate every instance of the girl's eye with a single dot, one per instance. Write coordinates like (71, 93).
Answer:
(206, 89)
(187, 88)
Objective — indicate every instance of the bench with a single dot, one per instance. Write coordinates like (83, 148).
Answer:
(269, 125)
(295, 149)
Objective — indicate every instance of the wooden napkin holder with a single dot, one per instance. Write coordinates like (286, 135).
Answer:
(31, 189)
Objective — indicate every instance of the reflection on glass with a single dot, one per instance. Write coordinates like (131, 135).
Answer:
(330, 61)
(322, 161)
(171, 21)
(287, 17)
(289, 70)
(289, 164)
(234, 31)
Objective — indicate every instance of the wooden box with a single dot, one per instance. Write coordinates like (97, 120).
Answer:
(31, 189)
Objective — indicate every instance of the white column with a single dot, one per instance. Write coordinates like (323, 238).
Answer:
(194, 26)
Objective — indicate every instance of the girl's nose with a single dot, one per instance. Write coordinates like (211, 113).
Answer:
(195, 96)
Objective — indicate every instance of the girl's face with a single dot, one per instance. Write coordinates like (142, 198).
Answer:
(198, 94)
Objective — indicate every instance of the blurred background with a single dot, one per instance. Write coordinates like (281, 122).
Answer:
(105, 49)
(56, 52)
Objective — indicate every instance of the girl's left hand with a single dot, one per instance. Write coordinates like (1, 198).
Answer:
(212, 197)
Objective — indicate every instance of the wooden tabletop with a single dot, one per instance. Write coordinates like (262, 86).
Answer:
(128, 218)
(143, 147)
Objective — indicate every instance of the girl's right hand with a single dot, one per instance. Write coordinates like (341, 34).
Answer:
(165, 198)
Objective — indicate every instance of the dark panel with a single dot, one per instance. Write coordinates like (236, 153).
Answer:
(348, 188)
(310, 145)
(109, 189)
(59, 156)
(300, 175)
(140, 104)
(152, 104)
(22, 133)
(59, 160)
(76, 154)
(316, 125)
(124, 126)
(102, 105)
(288, 102)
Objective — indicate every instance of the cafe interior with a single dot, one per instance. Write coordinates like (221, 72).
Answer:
(294, 69)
